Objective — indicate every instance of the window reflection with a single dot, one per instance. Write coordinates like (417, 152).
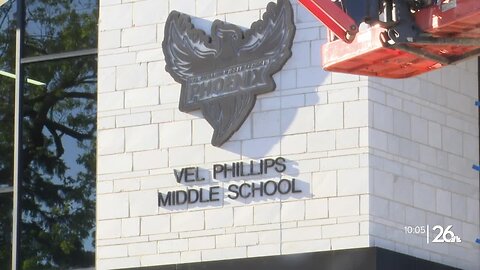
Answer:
(6, 131)
(5, 230)
(7, 88)
(59, 159)
(60, 26)
(59, 135)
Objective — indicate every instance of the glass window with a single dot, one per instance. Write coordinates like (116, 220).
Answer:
(55, 26)
(59, 134)
(6, 230)
(7, 89)
(59, 177)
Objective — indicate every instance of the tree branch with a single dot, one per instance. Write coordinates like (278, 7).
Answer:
(79, 95)
(70, 132)
(58, 141)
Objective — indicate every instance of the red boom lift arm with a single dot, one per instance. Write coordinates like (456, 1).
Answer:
(339, 22)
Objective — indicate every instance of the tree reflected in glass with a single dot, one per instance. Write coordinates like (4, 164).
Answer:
(59, 160)
(7, 89)
(54, 26)
(59, 135)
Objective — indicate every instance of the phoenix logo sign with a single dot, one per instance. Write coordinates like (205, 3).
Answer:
(222, 74)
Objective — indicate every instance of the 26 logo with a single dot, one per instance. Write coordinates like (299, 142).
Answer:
(445, 235)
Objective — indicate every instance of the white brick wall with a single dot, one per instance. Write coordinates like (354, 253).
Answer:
(371, 155)
(423, 164)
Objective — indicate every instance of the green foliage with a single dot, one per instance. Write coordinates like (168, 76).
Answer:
(59, 136)
(7, 63)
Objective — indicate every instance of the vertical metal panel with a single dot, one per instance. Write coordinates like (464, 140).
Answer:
(17, 162)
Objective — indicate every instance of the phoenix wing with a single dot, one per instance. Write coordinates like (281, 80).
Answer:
(187, 50)
(273, 35)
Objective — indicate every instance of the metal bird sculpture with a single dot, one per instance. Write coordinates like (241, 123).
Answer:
(222, 74)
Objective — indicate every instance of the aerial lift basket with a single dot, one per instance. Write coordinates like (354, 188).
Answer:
(448, 31)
